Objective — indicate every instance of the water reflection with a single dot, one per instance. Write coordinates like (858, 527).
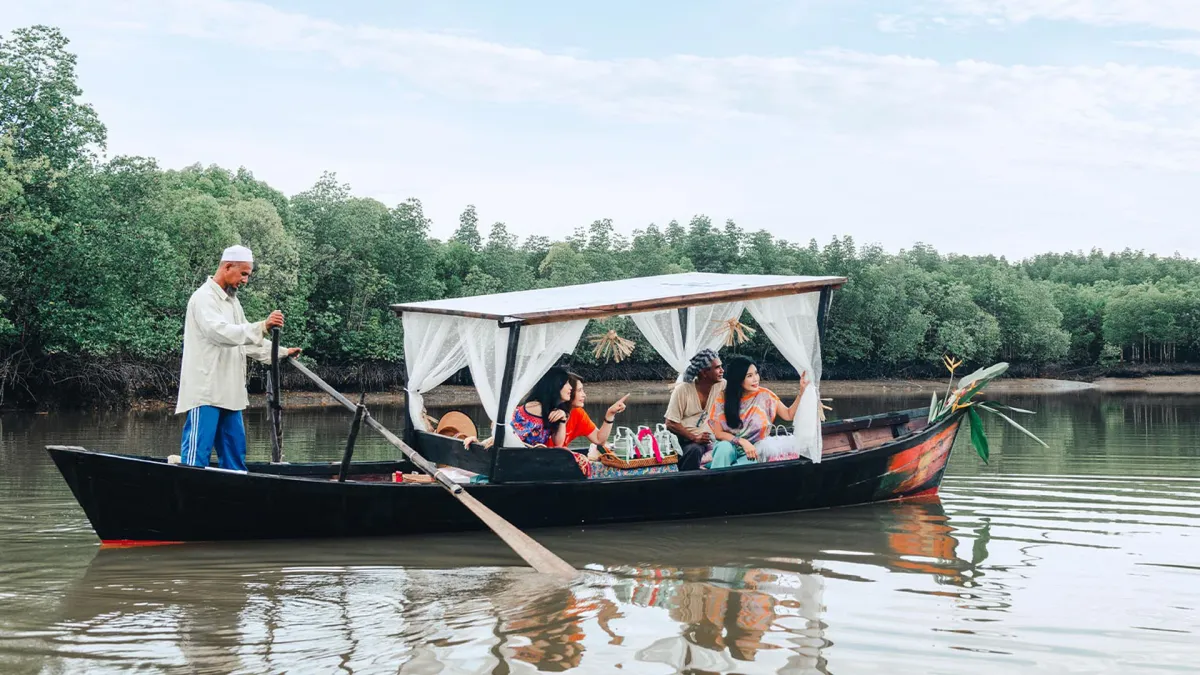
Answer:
(1083, 557)
(234, 607)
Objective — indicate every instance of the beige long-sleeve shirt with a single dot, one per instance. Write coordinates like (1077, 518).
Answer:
(216, 341)
(684, 406)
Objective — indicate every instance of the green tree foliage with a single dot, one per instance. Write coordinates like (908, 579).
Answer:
(98, 257)
(1030, 322)
(358, 256)
(39, 106)
(1153, 321)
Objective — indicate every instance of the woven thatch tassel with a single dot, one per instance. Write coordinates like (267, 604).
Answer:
(611, 346)
(734, 332)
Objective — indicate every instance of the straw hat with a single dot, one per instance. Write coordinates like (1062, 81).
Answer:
(456, 424)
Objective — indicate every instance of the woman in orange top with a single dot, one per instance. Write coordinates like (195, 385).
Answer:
(580, 425)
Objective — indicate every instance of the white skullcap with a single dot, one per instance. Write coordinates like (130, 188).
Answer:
(237, 254)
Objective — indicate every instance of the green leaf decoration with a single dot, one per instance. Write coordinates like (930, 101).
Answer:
(1005, 406)
(983, 375)
(988, 407)
(975, 382)
(978, 438)
(933, 408)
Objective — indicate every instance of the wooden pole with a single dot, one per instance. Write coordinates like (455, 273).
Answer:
(506, 382)
(274, 409)
(539, 557)
(823, 312)
(409, 433)
(354, 427)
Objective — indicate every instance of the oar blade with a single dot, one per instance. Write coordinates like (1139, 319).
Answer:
(539, 557)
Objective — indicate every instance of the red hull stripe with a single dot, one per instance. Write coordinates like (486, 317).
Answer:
(130, 543)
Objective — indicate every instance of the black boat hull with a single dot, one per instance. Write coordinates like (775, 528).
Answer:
(133, 500)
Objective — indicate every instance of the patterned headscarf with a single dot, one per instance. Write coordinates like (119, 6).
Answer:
(701, 361)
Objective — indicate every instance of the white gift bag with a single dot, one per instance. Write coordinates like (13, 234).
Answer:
(668, 442)
(623, 443)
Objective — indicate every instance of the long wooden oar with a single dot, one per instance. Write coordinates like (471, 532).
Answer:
(539, 557)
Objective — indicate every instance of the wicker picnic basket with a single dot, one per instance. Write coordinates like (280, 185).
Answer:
(645, 449)
(607, 458)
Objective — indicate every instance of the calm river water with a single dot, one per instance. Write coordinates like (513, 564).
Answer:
(1081, 558)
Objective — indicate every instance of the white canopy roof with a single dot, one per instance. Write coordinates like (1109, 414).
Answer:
(623, 296)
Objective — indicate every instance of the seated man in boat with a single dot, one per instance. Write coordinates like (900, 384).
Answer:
(687, 411)
(217, 338)
(742, 414)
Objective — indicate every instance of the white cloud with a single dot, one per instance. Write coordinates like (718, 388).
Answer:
(1098, 113)
(889, 147)
(896, 23)
(1165, 14)
(1190, 47)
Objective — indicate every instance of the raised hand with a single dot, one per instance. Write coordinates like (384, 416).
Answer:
(618, 407)
(556, 415)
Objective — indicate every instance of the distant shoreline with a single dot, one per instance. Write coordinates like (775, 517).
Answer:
(152, 385)
(659, 390)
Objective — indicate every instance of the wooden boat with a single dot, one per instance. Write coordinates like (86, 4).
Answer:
(132, 499)
(143, 499)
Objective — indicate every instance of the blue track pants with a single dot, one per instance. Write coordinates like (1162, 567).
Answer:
(206, 428)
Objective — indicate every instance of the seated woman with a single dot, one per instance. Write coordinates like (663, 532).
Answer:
(554, 392)
(541, 418)
(529, 425)
(559, 391)
(742, 414)
(580, 425)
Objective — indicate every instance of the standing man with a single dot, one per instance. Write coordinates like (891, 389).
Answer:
(212, 380)
(688, 407)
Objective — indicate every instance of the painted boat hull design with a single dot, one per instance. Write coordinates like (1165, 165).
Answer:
(144, 500)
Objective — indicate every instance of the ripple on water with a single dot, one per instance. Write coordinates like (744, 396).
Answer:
(1080, 558)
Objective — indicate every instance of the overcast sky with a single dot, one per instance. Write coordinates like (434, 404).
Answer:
(979, 126)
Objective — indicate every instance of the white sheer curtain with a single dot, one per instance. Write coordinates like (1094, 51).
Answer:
(485, 344)
(790, 321)
(662, 330)
(433, 351)
(540, 346)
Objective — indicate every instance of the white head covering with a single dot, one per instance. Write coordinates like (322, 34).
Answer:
(237, 254)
